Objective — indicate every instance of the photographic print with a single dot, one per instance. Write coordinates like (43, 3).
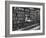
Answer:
(25, 18)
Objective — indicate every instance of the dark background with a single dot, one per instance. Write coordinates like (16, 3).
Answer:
(19, 15)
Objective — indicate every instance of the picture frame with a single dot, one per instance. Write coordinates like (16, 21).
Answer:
(15, 30)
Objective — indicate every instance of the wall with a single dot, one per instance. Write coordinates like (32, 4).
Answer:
(2, 19)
